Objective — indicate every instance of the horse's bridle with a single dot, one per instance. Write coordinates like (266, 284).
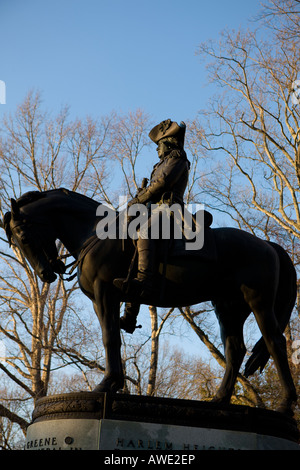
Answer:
(28, 237)
(55, 260)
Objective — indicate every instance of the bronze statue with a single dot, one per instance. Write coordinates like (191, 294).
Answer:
(167, 185)
(247, 275)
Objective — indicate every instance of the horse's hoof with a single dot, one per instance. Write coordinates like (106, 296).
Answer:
(285, 410)
(109, 386)
(287, 405)
(220, 400)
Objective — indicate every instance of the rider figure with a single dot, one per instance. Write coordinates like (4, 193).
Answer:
(168, 182)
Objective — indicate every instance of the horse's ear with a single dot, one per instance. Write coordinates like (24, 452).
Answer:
(15, 211)
(6, 226)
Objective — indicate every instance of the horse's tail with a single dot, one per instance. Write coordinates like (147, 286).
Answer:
(284, 304)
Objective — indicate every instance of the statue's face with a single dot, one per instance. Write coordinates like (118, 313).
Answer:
(162, 148)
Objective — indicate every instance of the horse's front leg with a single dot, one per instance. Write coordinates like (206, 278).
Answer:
(107, 308)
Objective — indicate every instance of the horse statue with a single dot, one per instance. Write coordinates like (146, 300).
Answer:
(247, 275)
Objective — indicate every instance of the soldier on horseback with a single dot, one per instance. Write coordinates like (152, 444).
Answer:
(167, 184)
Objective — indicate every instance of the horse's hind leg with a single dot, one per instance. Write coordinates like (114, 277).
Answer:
(231, 320)
(276, 345)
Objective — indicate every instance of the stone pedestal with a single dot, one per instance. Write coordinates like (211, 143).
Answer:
(99, 421)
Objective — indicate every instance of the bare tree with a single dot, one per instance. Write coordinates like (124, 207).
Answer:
(38, 152)
(255, 123)
(282, 16)
(248, 138)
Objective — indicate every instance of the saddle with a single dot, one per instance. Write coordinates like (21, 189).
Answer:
(186, 247)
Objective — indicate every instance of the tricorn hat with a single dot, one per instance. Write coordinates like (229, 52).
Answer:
(166, 129)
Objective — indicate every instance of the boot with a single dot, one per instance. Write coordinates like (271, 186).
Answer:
(128, 320)
(142, 285)
(145, 274)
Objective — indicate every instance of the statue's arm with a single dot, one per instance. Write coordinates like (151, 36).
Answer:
(167, 176)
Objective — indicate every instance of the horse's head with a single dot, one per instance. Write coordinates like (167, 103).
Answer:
(35, 239)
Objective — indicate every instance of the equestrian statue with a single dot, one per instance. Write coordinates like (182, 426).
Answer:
(235, 270)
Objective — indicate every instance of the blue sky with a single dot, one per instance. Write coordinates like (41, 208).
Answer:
(99, 56)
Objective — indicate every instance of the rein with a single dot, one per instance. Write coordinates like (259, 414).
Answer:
(87, 246)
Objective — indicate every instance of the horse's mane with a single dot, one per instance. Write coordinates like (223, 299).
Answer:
(29, 197)
(32, 196)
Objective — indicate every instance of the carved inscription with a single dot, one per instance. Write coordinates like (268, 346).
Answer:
(144, 444)
(48, 443)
